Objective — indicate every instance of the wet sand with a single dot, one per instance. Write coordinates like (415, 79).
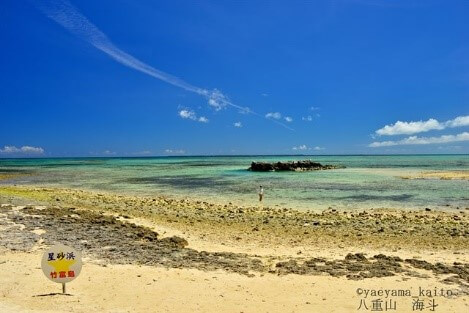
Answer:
(289, 259)
(447, 175)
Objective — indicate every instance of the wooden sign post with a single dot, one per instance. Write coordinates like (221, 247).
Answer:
(61, 264)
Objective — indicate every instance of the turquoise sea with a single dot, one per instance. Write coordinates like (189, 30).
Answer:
(366, 182)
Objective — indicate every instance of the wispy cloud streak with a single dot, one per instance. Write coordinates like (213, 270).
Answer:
(66, 15)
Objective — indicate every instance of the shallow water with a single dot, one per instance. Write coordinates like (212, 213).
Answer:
(366, 182)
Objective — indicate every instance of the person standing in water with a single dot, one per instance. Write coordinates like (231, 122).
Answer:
(261, 193)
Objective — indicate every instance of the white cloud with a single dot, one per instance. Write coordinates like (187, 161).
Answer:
(264, 94)
(302, 148)
(188, 114)
(308, 118)
(174, 151)
(414, 140)
(306, 148)
(238, 124)
(314, 108)
(29, 149)
(22, 150)
(274, 115)
(409, 128)
(217, 100)
(288, 119)
(458, 121)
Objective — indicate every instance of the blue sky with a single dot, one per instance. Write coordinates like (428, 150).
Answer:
(129, 78)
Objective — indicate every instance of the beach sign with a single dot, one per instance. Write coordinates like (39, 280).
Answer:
(61, 264)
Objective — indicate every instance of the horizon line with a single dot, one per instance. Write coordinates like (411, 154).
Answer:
(224, 155)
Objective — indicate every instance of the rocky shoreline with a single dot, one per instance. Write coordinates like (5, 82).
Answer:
(392, 229)
(114, 239)
(102, 226)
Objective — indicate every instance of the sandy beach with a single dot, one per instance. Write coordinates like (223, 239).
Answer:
(234, 156)
(133, 288)
(174, 255)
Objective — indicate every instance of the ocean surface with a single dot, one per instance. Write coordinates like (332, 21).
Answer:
(366, 182)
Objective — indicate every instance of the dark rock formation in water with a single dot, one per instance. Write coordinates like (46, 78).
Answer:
(298, 166)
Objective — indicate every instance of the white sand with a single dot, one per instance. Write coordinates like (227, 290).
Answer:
(131, 288)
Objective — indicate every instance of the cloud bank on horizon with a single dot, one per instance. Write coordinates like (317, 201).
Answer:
(409, 128)
(66, 15)
(26, 150)
(414, 140)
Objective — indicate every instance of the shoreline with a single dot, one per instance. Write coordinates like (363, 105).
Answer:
(370, 228)
(366, 198)
(252, 243)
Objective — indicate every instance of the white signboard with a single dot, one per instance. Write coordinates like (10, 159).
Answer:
(61, 264)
